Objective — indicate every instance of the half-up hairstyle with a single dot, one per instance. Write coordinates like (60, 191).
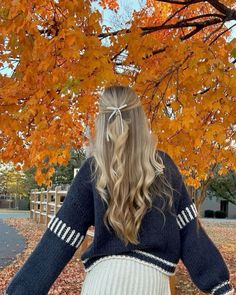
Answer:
(128, 169)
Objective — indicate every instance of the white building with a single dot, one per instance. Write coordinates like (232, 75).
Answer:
(217, 204)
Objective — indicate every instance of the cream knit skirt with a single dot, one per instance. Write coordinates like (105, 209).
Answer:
(121, 276)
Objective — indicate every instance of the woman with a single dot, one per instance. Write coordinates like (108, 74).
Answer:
(144, 219)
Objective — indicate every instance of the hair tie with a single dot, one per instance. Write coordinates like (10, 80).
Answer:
(116, 110)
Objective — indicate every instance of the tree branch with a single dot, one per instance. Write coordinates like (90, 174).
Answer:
(221, 34)
(181, 24)
(225, 14)
(187, 2)
(231, 13)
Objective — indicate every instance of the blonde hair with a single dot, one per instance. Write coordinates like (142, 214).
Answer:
(127, 168)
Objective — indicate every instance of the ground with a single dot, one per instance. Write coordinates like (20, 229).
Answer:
(222, 232)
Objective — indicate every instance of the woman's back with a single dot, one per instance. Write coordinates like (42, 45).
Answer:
(144, 219)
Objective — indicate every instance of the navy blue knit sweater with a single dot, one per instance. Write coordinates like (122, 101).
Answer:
(160, 246)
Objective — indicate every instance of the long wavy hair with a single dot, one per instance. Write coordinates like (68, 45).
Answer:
(128, 169)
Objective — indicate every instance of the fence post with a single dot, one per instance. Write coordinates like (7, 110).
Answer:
(35, 206)
(57, 199)
(32, 203)
(47, 219)
(41, 206)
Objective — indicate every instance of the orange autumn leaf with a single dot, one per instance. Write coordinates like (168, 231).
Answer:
(63, 56)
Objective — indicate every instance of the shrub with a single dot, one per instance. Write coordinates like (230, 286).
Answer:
(220, 214)
(209, 213)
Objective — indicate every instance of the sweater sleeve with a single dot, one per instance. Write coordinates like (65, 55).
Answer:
(64, 234)
(203, 260)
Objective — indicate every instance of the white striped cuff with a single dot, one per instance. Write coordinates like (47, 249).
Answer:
(186, 215)
(65, 232)
(225, 288)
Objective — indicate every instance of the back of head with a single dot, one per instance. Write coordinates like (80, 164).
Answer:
(126, 161)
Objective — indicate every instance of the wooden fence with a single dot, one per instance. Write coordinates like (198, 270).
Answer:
(45, 204)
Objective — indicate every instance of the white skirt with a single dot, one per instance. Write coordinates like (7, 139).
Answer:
(124, 276)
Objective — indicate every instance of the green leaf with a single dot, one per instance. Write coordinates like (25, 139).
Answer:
(233, 52)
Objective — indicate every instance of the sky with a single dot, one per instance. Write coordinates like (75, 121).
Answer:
(126, 8)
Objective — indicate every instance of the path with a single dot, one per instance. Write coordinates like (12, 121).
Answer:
(11, 243)
(14, 215)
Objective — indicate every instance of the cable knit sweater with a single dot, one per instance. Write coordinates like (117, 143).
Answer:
(160, 246)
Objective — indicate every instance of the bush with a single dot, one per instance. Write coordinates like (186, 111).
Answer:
(220, 214)
(209, 213)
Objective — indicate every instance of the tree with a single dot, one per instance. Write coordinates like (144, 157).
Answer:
(224, 187)
(64, 174)
(175, 54)
(13, 183)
